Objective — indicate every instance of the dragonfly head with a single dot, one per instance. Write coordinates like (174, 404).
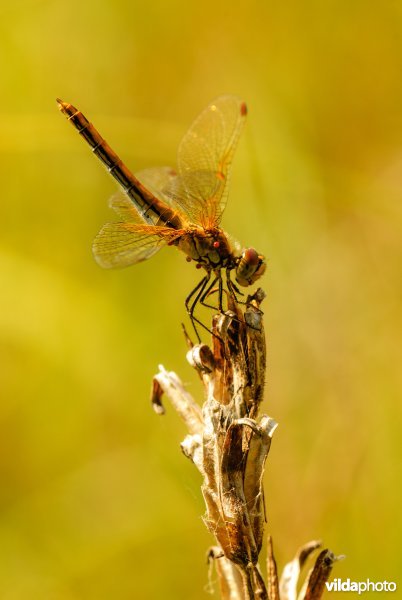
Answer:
(250, 267)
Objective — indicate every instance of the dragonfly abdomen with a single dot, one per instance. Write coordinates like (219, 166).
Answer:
(149, 207)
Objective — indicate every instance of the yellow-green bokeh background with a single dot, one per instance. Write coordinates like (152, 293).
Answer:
(97, 501)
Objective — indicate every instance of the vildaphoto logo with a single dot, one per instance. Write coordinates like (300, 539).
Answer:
(347, 585)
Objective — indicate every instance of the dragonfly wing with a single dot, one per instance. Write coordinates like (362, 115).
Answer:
(125, 208)
(195, 193)
(156, 179)
(204, 158)
(124, 244)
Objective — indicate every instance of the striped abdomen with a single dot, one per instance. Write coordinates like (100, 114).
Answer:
(151, 209)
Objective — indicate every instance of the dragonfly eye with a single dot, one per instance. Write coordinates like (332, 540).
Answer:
(250, 267)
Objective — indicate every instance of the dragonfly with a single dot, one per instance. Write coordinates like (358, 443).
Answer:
(162, 206)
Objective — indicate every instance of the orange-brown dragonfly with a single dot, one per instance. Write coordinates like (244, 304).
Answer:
(183, 208)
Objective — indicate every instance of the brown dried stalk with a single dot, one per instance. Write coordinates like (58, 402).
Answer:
(229, 446)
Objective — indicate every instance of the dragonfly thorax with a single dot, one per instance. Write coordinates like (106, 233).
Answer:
(210, 248)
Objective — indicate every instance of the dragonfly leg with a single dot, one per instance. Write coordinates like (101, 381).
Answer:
(220, 291)
(197, 292)
(233, 289)
(201, 291)
(201, 284)
(209, 291)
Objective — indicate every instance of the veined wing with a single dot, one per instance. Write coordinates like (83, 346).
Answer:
(155, 179)
(162, 209)
(128, 242)
(204, 158)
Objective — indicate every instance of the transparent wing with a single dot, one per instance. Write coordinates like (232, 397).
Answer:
(125, 208)
(124, 244)
(204, 158)
(156, 179)
(200, 196)
(153, 180)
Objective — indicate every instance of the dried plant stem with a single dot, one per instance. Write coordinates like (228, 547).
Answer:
(229, 445)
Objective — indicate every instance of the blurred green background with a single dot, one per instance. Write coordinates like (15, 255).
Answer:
(97, 501)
